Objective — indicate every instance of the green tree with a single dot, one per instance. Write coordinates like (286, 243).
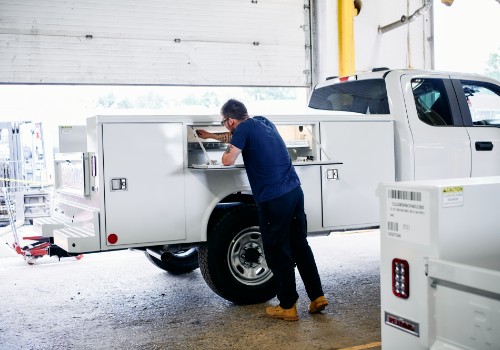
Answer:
(147, 101)
(125, 104)
(190, 100)
(268, 93)
(106, 101)
(208, 99)
(493, 65)
(151, 101)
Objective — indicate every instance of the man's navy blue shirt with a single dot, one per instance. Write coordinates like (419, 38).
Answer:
(267, 162)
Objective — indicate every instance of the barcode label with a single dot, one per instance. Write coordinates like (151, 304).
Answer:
(406, 195)
(392, 226)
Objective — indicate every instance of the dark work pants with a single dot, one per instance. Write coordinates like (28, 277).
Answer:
(284, 235)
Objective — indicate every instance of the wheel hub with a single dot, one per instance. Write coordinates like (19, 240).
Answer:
(251, 255)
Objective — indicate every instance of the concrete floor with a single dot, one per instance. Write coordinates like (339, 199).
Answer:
(119, 300)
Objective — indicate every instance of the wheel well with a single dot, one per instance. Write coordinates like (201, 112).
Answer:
(238, 198)
(231, 201)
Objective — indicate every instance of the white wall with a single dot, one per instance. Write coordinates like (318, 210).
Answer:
(408, 46)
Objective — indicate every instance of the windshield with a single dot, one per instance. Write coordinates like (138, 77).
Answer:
(359, 96)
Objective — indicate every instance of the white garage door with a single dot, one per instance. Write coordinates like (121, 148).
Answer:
(164, 42)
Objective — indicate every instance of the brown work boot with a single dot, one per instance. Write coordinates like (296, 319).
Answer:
(318, 304)
(285, 314)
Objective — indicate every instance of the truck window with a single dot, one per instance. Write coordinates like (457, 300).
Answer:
(432, 103)
(358, 96)
(483, 100)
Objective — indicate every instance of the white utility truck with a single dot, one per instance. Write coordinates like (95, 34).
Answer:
(440, 264)
(147, 182)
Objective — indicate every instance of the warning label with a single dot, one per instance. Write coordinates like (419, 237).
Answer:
(453, 196)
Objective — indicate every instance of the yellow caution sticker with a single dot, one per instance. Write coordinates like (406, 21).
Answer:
(453, 196)
(453, 189)
(66, 129)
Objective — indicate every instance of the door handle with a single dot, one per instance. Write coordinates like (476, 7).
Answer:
(484, 146)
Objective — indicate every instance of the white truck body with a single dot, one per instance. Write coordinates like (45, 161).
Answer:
(139, 183)
(444, 233)
(168, 200)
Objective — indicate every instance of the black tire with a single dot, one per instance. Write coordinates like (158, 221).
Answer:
(232, 261)
(181, 262)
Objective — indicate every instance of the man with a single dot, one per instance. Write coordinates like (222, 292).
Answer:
(278, 194)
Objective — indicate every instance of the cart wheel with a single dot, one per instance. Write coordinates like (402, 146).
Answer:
(79, 257)
(30, 260)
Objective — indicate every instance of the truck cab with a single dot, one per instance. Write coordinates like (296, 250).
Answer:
(447, 125)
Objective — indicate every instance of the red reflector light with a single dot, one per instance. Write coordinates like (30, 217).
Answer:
(344, 78)
(112, 238)
(401, 278)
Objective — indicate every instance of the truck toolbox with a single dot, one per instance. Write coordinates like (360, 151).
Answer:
(440, 264)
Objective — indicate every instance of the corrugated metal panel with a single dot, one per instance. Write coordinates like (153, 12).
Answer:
(192, 42)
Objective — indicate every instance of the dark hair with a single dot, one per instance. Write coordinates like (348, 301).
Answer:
(234, 109)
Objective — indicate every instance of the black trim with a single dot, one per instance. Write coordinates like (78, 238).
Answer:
(462, 102)
(452, 100)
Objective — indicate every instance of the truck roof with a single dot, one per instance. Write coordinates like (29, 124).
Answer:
(366, 92)
(381, 73)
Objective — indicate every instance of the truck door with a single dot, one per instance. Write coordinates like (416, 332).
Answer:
(143, 182)
(441, 143)
(480, 106)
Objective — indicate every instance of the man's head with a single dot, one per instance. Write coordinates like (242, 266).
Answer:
(233, 112)
(234, 109)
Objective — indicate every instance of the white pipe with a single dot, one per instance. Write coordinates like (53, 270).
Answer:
(406, 20)
(202, 147)
(317, 142)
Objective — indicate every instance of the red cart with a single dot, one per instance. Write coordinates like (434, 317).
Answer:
(39, 245)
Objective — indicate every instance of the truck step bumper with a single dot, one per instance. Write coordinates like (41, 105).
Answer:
(77, 239)
(45, 226)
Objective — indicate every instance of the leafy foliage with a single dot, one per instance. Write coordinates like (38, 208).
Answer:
(493, 69)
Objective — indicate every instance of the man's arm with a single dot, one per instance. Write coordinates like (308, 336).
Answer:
(220, 136)
(230, 155)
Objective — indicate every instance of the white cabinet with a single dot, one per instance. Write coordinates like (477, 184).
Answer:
(143, 182)
(366, 150)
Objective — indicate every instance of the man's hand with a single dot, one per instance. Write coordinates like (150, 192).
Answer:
(204, 134)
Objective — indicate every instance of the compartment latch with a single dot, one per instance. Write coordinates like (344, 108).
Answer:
(119, 184)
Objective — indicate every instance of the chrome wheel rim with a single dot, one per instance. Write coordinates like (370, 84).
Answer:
(246, 259)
